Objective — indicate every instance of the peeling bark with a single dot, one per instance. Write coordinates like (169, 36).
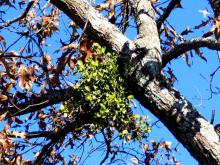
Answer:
(97, 27)
(181, 118)
(147, 31)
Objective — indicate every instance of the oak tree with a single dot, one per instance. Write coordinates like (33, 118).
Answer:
(69, 74)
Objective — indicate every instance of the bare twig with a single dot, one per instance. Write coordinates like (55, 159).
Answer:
(201, 99)
(58, 137)
(108, 145)
(23, 15)
(23, 57)
(167, 12)
(212, 117)
(211, 80)
(30, 106)
(35, 134)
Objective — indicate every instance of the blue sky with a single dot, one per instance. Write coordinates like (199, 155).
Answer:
(193, 82)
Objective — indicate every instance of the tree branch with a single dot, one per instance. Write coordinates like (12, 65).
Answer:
(189, 127)
(195, 43)
(109, 148)
(147, 31)
(34, 134)
(23, 15)
(181, 118)
(167, 12)
(81, 12)
(43, 101)
(215, 5)
(58, 136)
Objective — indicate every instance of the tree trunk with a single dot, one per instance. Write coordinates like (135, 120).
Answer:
(148, 87)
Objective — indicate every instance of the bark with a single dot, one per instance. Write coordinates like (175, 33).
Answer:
(147, 31)
(181, 118)
(41, 102)
(215, 5)
(194, 43)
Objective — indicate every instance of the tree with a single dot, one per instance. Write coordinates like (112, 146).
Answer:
(140, 64)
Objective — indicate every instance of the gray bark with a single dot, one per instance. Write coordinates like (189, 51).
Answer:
(193, 43)
(215, 4)
(143, 78)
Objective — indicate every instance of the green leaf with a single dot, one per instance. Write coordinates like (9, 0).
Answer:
(94, 63)
(124, 132)
(87, 88)
(88, 97)
(130, 97)
(136, 116)
(80, 63)
(62, 107)
(103, 50)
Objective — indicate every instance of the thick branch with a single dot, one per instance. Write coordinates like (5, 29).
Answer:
(215, 4)
(147, 31)
(167, 12)
(40, 102)
(180, 117)
(189, 127)
(82, 13)
(195, 43)
(23, 15)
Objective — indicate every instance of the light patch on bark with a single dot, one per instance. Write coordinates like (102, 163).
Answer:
(207, 129)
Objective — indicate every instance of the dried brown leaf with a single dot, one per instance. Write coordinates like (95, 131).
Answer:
(102, 6)
(204, 23)
(186, 58)
(3, 98)
(145, 147)
(12, 53)
(167, 145)
(2, 40)
(72, 63)
(70, 46)
(199, 53)
(25, 78)
(3, 116)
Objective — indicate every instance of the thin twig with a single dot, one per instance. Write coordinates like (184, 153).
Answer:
(23, 15)
(212, 117)
(108, 151)
(211, 80)
(167, 12)
(29, 106)
(59, 136)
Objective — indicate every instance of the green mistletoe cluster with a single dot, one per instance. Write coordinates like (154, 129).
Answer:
(103, 89)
